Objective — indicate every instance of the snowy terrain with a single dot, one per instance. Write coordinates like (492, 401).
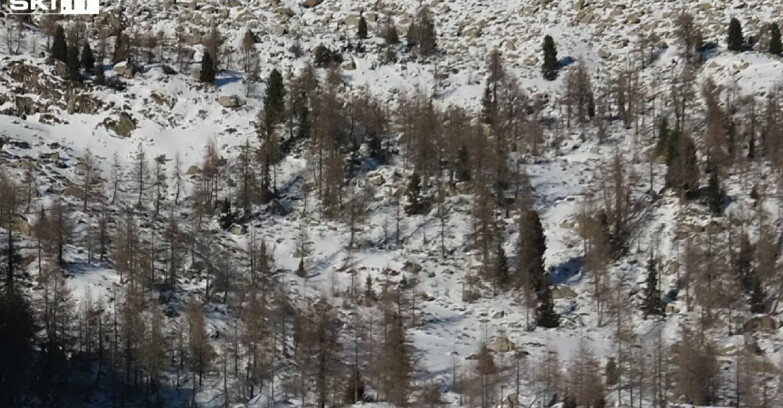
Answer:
(174, 114)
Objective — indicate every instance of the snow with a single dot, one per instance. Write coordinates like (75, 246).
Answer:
(451, 327)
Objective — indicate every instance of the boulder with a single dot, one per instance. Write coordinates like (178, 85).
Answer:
(760, 324)
(563, 292)
(230, 101)
(20, 224)
(278, 30)
(25, 105)
(377, 180)
(502, 344)
(243, 17)
(411, 267)
(194, 38)
(469, 296)
(74, 191)
(122, 125)
(349, 65)
(351, 20)
(236, 229)
(463, 187)
(60, 68)
(311, 3)
(124, 69)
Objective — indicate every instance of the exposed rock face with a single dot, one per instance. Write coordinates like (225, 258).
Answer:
(761, 324)
(83, 103)
(34, 81)
(123, 125)
(230, 101)
(25, 106)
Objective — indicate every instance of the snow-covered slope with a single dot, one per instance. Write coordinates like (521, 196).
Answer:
(173, 115)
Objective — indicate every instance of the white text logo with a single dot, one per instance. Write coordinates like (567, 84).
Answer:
(54, 6)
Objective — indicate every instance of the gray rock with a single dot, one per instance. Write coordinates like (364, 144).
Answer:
(230, 101)
(124, 69)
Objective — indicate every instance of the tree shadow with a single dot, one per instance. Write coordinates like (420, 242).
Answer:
(563, 273)
(565, 61)
(226, 77)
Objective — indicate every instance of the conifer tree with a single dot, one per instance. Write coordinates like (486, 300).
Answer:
(100, 75)
(682, 167)
(17, 331)
(274, 99)
(775, 47)
(546, 315)
(427, 40)
(390, 35)
(88, 60)
(502, 277)
(207, 73)
(73, 64)
(735, 39)
(652, 295)
(415, 205)
(549, 68)
(362, 30)
(59, 47)
(714, 191)
(530, 252)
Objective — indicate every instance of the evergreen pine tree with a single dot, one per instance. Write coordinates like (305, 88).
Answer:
(354, 388)
(758, 303)
(100, 75)
(664, 145)
(463, 164)
(427, 40)
(59, 48)
(652, 295)
(775, 47)
(530, 252)
(549, 68)
(735, 39)
(546, 315)
(415, 205)
(682, 172)
(488, 105)
(390, 35)
(88, 60)
(73, 64)
(300, 270)
(714, 191)
(502, 277)
(17, 331)
(274, 99)
(362, 30)
(207, 73)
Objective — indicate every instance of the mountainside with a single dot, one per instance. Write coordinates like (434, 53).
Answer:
(334, 220)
